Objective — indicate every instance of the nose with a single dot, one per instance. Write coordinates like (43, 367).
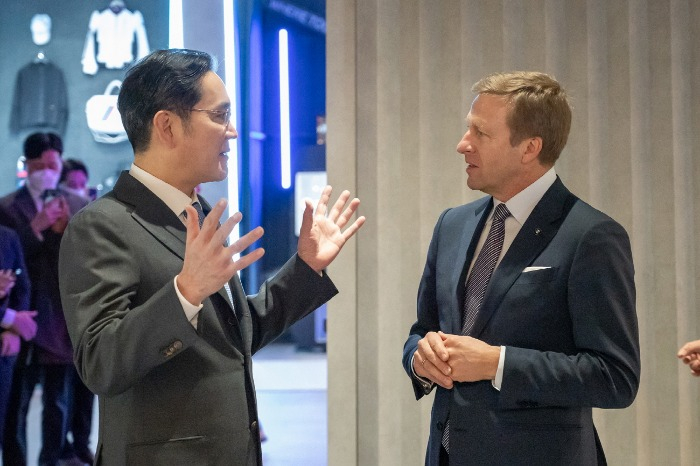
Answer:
(464, 146)
(231, 132)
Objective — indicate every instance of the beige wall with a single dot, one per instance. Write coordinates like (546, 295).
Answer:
(399, 79)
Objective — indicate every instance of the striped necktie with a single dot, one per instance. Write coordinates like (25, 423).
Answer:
(478, 282)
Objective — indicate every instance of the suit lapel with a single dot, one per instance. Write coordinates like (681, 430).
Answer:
(152, 213)
(537, 232)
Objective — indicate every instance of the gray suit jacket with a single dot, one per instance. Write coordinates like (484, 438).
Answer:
(169, 394)
(570, 331)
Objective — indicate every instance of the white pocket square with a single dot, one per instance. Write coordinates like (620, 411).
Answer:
(532, 269)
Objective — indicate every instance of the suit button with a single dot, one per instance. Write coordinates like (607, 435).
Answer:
(254, 426)
(440, 426)
(172, 349)
(231, 321)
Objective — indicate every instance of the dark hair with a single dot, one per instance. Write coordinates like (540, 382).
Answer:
(37, 143)
(539, 107)
(164, 80)
(71, 165)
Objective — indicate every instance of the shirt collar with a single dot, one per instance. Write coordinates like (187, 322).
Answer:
(522, 204)
(175, 199)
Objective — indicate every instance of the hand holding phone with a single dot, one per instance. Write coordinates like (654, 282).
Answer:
(55, 211)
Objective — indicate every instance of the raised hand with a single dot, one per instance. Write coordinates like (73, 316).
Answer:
(322, 237)
(208, 264)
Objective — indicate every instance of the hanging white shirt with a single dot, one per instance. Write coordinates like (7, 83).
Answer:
(115, 33)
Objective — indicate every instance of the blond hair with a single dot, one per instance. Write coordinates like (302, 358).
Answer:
(539, 108)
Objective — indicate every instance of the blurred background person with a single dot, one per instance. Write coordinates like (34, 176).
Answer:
(74, 179)
(15, 322)
(39, 213)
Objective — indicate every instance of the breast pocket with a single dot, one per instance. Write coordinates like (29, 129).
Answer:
(537, 276)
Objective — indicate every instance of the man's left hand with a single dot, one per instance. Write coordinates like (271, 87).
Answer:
(321, 237)
(471, 360)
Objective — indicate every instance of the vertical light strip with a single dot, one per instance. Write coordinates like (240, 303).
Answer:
(232, 90)
(176, 40)
(285, 148)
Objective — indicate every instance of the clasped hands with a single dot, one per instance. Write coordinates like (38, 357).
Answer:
(209, 264)
(445, 359)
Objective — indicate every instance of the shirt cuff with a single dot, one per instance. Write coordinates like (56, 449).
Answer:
(8, 319)
(191, 311)
(427, 384)
(498, 380)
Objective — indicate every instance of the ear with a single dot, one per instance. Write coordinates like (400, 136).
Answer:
(531, 149)
(165, 128)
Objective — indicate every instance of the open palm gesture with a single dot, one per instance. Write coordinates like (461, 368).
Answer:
(322, 237)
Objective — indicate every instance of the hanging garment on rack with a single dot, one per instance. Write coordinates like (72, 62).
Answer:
(114, 33)
(41, 98)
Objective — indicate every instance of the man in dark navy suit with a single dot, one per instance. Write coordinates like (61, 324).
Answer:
(526, 308)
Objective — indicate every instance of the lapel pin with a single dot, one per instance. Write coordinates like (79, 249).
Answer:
(537, 232)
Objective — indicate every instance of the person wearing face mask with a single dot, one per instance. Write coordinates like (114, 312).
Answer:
(74, 178)
(39, 213)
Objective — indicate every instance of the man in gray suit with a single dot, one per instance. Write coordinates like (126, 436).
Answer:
(526, 308)
(162, 329)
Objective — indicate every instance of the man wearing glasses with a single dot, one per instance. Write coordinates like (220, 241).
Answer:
(162, 329)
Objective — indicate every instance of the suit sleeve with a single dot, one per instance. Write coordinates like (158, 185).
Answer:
(117, 337)
(294, 292)
(604, 370)
(427, 310)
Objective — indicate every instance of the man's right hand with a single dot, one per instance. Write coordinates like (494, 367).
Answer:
(24, 324)
(430, 360)
(208, 263)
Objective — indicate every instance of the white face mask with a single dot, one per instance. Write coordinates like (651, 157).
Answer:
(42, 180)
(78, 192)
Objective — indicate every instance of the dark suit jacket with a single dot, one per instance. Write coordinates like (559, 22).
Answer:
(169, 394)
(17, 210)
(570, 332)
(11, 258)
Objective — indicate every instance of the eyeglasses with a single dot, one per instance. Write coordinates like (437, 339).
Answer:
(220, 116)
